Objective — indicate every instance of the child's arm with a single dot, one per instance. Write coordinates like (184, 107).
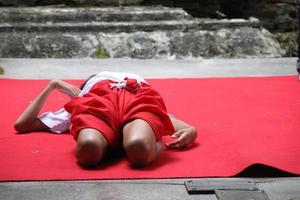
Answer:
(185, 134)
(28, 121)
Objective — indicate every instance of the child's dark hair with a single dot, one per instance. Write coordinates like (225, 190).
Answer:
(83, 84)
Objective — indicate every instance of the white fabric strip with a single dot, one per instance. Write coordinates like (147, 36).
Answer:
(58, 121)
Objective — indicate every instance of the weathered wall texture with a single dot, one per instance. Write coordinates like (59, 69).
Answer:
(277, 17)
(274, 15)
(136, 32)
(224, 43)
(69, 2)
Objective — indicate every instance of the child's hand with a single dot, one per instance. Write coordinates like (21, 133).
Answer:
(185, 137)
(65, 88)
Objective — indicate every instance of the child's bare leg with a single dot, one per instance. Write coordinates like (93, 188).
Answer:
(140, 143)
(91, 146)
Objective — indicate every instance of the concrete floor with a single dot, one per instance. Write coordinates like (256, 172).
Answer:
(168, 189)
(82, 68)
(283, 188)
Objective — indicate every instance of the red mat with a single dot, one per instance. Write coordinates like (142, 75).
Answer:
(241, 121)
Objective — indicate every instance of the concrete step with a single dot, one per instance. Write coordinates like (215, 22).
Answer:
(107, 19)
(89, 14)
(130, 32)
(116, 27)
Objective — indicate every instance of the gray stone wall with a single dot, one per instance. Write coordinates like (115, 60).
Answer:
(197, 8)
(277, 16)
(69, 2)
(274, 15)
(135, 32)
(242, 42)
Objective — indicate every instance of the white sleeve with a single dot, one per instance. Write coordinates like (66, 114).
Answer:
(58, 121)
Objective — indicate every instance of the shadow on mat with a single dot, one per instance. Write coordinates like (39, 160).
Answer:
(261, 170)
(114, 157)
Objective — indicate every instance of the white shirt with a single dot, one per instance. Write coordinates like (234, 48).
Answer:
(59, 121)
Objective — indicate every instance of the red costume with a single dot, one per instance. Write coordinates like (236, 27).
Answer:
(108, 106)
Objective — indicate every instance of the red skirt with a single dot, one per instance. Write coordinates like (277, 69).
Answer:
(108, 109)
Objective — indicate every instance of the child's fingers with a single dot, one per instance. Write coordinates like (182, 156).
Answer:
(172, 144)
(177, 134)
(177, 144)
